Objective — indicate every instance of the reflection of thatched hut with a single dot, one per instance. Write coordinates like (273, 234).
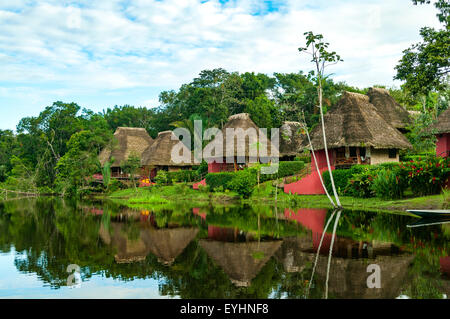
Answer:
(356, 133)
(392, 112)
(442, 130)
(348, 275)
(159, 155)
(291, 140)
(241, 261)
(248, 146)
(165, 244)
(130, 140)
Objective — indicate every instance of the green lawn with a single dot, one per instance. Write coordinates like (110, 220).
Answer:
(265, 194)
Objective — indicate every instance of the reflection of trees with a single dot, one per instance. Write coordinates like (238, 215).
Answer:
(50, 234)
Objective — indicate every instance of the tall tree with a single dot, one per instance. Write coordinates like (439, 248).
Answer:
(321, 58)
(425, 66)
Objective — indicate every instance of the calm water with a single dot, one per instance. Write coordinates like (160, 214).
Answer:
(214, 252)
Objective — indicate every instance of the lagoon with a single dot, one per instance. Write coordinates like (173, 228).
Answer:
(214, 251)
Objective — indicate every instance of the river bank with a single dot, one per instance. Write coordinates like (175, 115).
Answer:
(265, 194)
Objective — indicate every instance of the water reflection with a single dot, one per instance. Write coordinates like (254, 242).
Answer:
(223, 252)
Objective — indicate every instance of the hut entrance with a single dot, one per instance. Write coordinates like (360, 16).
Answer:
(348, 156)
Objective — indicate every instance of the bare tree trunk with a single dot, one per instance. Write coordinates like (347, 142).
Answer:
(315, 163)
(325, 144)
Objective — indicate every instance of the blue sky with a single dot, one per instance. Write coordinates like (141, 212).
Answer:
(107, 52)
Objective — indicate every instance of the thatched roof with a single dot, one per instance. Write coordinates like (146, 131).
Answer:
(348, 276)
(240, 261)
(165, 244)
(443, 123)
(244, 122)
(354, 121)
(168, 243)
(388, 108)
(291, 141)
(160, 152)
(130, 140)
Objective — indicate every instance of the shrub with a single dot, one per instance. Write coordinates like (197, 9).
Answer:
(182, 176)
(427, 176)
(284, 169)
(388, 184)
(243, 182)
(304, 159)
(162, 178)
(359, 184)
(341, 178)
(214, 180)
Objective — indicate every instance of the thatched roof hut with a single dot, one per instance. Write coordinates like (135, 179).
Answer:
(355, 122)
(240, 261)
(291, 140)
(348, 275)
(160, 152)
(393, 113)
(247, 142)
(443, 123)
(130, 140)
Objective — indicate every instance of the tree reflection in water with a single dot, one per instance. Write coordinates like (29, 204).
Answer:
(227, 252)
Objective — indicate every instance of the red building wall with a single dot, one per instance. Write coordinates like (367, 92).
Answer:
(311, 185)
(443, 144)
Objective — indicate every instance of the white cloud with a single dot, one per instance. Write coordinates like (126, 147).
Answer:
(104, 45)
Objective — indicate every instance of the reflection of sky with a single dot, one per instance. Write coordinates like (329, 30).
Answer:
(14, 284)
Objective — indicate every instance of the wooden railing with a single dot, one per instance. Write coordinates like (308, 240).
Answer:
(8, 194)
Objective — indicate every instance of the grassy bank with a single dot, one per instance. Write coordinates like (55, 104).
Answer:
(265, 194)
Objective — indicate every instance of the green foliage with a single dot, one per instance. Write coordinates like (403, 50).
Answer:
(341, 178)
(76, 167)
(162, 178)
(427, 176)
(243, 182)
(388, 184)
(216, 180)
(131, 166)
(305, 159)
(182, 176)
(284, 169)
(425, 65)
(421, 138)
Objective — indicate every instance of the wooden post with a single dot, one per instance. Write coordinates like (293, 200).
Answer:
(235, 164)
(358, 155)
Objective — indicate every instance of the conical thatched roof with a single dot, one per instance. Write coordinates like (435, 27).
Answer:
(388, 108)
(291, 141)
(244, 122)
(160, 152)
(130, 140)
(167, 244)
(241, 261)
(443, 123)
(354, 121)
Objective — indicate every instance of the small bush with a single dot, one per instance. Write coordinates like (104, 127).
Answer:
(215, 180)
(182, 176)
(243, 182)
(428, 176)
(284, 169)
(162, 178)
(341, 178)
(359, 184)
(388, 185)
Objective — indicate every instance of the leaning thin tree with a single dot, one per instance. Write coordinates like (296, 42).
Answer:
(317, 48)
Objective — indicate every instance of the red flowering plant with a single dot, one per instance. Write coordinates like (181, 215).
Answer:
(427, 176)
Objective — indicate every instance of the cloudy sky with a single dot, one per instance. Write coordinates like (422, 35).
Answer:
(107, 52)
